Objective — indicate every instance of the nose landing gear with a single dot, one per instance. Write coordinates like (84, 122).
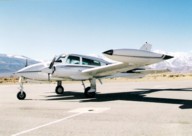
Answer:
(21, 94)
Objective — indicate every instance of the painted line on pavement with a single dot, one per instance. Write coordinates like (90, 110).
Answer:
(78, 112)
(48, 124)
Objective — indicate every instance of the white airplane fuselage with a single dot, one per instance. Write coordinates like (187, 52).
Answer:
(64, 70)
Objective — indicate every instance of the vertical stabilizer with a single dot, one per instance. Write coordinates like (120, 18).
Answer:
(146, 47)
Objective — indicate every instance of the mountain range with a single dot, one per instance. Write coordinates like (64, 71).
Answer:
(12, 63)
(181, 63)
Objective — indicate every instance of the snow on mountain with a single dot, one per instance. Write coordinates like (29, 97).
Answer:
(182, 62)
(12, 63)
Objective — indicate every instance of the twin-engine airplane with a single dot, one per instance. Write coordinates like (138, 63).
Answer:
(81, 68)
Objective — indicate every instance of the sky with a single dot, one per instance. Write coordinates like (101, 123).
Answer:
(40, 29)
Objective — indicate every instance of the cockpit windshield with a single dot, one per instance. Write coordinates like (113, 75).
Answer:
(73, 60)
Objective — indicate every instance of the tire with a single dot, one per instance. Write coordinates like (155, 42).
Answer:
(89, 94)
(21, 95)
(59, 89)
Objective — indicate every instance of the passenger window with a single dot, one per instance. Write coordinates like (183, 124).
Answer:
(73, 60)
(90, 62)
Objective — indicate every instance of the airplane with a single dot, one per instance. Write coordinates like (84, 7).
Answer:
(78, 67)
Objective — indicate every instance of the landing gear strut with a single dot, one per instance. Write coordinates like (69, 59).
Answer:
(21, 94)
(90, 91)
(59, 89)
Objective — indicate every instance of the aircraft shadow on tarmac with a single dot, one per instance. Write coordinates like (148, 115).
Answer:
(139, 96)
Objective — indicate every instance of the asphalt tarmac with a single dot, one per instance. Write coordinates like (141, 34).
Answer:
(121, 108)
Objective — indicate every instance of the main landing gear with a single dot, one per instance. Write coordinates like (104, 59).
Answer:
(59, 88)
(90, 91)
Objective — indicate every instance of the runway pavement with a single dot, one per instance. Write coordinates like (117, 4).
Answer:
(120, 108)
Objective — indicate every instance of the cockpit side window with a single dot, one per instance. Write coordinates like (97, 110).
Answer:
(73, 60)
(86, 61)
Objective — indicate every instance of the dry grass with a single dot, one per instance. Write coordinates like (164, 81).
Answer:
(8, 80)
(161, 77)
(170, 76)
(150, 77)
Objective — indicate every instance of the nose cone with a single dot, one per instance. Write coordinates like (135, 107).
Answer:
(32, 69)
(23, 70)
(20, 72)
(166, 57)
(109, 52)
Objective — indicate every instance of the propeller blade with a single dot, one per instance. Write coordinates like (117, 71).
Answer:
(52, 63)
(52, 68)
(48, 76)
(45, 64)
(26, 63)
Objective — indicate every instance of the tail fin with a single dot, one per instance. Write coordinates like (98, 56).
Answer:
(146, 47)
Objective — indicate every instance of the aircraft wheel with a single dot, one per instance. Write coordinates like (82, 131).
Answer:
(59, 89)
(21, 95)
(89, 94)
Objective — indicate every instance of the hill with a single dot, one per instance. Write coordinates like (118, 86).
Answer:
(12, 63)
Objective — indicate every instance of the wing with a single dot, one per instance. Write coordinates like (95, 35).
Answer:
(127, 59)
(109, 69)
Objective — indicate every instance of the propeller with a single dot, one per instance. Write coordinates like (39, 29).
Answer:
(45, 64)
(51, 67)
(26, 63)
(52, 63)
